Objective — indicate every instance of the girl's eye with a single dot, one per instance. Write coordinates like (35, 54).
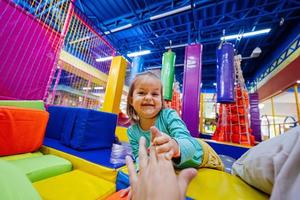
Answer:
(155, 94)
(140, 93)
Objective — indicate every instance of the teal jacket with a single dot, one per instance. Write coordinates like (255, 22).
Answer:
(170, 123)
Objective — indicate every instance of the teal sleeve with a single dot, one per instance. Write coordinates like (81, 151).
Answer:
(191, 152)
(133, 140)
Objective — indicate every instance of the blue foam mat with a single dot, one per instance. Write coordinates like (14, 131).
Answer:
(98, 156)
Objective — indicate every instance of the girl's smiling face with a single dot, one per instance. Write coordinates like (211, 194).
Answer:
(146, 98)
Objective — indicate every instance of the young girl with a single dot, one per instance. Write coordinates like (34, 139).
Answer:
(163, 128)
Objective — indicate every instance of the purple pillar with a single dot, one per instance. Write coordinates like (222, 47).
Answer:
(255, 116)
(225, 74)
(191, 87)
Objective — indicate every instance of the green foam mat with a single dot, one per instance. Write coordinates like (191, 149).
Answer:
(21, 156)
(42, 167)
(35, 104)
(14, 185)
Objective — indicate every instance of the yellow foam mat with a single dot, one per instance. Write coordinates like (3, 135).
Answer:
(74, 185)
(216, 185)
(210, 184)
(106, 173)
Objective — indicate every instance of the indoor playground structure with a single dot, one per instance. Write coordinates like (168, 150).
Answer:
(229, 68)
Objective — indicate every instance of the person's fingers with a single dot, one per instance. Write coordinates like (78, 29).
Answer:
(124, 192)
(161, 139)
(169, 155)
(164, 148)
(153, 157)
(143, 156)
(131, 170)
(129, 197)
(154, 133)
(184, 178)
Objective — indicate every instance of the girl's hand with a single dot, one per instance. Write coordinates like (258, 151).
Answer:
(164, 143)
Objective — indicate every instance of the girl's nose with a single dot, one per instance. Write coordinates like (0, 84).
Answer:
(148, 96)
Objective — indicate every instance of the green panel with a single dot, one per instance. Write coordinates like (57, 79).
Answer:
(42, 167)
(21, 156)
(14, 185)
(24, 104)
(167, 74)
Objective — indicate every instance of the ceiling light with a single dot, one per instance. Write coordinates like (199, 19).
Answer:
(118, 29)
(104, 59)
(86, 88)
(98, 88)
(172, 12)
(248, 34)
(138, 53)
(256, 52)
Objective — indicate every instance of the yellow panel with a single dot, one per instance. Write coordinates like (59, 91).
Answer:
(115, 85)
(84, 165)
(74, 185)
(214, 185)
(70, 68)
(83, 66)
(121, 133)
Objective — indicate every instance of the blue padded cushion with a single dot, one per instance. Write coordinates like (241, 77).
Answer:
(98, 156)
(81, 128)
(93, 129)
(229, 150)
(57, 121)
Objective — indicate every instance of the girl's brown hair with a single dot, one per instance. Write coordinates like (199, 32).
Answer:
(129, 109)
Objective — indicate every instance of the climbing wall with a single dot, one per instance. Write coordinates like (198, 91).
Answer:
(233, 122)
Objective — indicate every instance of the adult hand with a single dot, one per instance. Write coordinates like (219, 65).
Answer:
(164, 143)
(157, 179)
(126, 192)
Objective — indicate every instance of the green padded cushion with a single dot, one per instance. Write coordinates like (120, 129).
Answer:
(37, 104)
(14, 185)
(42, 167)
(21, 156)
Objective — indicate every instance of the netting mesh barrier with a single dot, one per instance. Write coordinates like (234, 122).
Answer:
(233, 121)
(30, 36)
(49, 51)
(72, 84)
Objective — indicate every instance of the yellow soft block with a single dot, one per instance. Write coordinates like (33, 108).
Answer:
(216, 185)
(106, 173)
(121, 133)
(114, 86)
(74, 185)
